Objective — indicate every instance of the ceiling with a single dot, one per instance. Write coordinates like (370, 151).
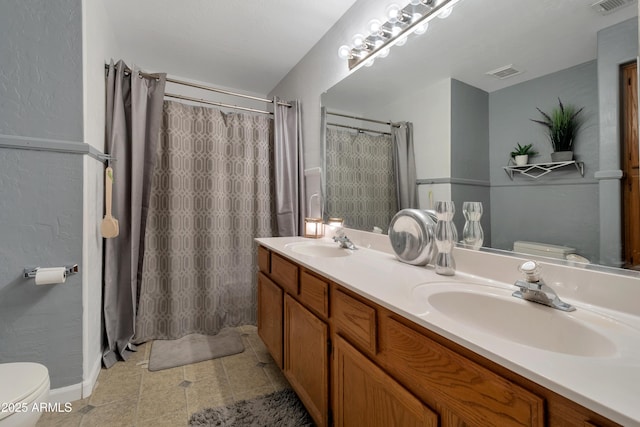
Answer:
(252, 44)
(538, 37)
(249, 45)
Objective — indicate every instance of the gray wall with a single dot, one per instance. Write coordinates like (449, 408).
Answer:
(617, 45)
(470, 152)
(562, 207)
(40, 191)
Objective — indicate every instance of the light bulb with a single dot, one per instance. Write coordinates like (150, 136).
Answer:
(392, 12)
(384, 52)
(374, 26)
(444, 13)
(421, 28)
(344, 52)
(378, 43)
(358, 41)
(369, 63)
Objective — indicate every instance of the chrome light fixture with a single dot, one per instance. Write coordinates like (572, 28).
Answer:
(401, 22)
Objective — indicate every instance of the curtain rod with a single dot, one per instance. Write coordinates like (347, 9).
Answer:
(209, 88)
(362, 118)
(217, 104)
(359, 129)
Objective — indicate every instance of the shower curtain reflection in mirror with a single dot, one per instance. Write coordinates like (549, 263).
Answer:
(360, 186)
(370, 174)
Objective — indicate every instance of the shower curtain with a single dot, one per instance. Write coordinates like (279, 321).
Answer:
(133, 114)
(404, 165)
(212, 193)
(360, 186)
(289, 168)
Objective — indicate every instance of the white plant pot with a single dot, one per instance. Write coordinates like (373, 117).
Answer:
(562, 156)
(521, 160)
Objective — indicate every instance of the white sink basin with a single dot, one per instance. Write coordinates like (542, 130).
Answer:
(495, 311)
(319, 249)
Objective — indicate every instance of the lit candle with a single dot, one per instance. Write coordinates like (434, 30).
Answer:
(335, 222)
(313, 228)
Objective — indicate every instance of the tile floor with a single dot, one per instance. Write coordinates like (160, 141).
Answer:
(130, 395)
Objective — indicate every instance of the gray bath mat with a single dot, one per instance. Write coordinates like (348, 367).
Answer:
(194, 348)
(281, 409)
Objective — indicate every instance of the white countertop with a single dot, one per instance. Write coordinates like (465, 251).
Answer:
(608, 385)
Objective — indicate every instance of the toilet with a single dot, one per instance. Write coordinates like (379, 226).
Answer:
(547, 250)
(22, 385)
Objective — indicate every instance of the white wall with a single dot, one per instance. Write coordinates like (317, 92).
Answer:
(97, 41)
(430, 107)
(321, 68)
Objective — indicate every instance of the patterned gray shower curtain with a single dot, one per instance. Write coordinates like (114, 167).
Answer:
(361, 186)
(211, 195)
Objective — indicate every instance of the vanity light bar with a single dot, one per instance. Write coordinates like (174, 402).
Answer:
(396, 30)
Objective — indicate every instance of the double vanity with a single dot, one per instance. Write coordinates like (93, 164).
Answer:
(367, 340)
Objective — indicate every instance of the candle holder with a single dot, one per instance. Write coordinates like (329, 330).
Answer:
(445, 238)
(313, 228)
(472, 234)
(335, 222)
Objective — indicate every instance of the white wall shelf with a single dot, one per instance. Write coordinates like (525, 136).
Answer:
(536, 170)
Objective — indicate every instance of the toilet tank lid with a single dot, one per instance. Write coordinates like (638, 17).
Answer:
(22, 380)
(523, 246)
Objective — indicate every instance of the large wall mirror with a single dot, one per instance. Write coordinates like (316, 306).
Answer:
(467, 121)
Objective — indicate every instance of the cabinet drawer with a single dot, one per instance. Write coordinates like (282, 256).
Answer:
(314, 293)
(285, 273)
(475, 394)
(264, 260)
(355, 320)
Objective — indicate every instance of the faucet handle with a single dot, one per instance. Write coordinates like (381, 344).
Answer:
(531, 271)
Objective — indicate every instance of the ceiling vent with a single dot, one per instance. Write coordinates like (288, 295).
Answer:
(504, 72)
(605, 7)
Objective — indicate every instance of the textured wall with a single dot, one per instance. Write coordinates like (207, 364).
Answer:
(40, 191)
(41, 224)
(41, 78)
(560, 208)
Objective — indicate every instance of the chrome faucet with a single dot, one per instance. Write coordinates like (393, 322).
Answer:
(344, 241)
(533, 288)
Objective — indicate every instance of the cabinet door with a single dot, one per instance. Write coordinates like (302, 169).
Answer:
(364, 395)
(270, 305)
(306, 359)
(474, 394)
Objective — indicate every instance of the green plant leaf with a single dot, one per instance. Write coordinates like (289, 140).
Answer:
(563, 124)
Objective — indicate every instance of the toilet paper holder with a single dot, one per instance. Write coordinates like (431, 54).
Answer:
(30, 272)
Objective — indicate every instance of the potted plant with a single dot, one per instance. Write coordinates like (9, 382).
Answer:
(563, 124)
(521, 154)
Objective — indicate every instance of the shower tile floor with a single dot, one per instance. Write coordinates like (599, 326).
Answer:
(129, 394)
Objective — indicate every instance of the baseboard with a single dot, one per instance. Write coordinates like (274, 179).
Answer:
(89, 383)
(66, 394)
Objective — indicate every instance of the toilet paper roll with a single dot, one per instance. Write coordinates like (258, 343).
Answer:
(49, 276)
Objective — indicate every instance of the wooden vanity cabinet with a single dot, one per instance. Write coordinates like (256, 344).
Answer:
(270, 316)
(306, 358)
(293, 307)
(364, 395)
(464, 390)
(355, 363)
